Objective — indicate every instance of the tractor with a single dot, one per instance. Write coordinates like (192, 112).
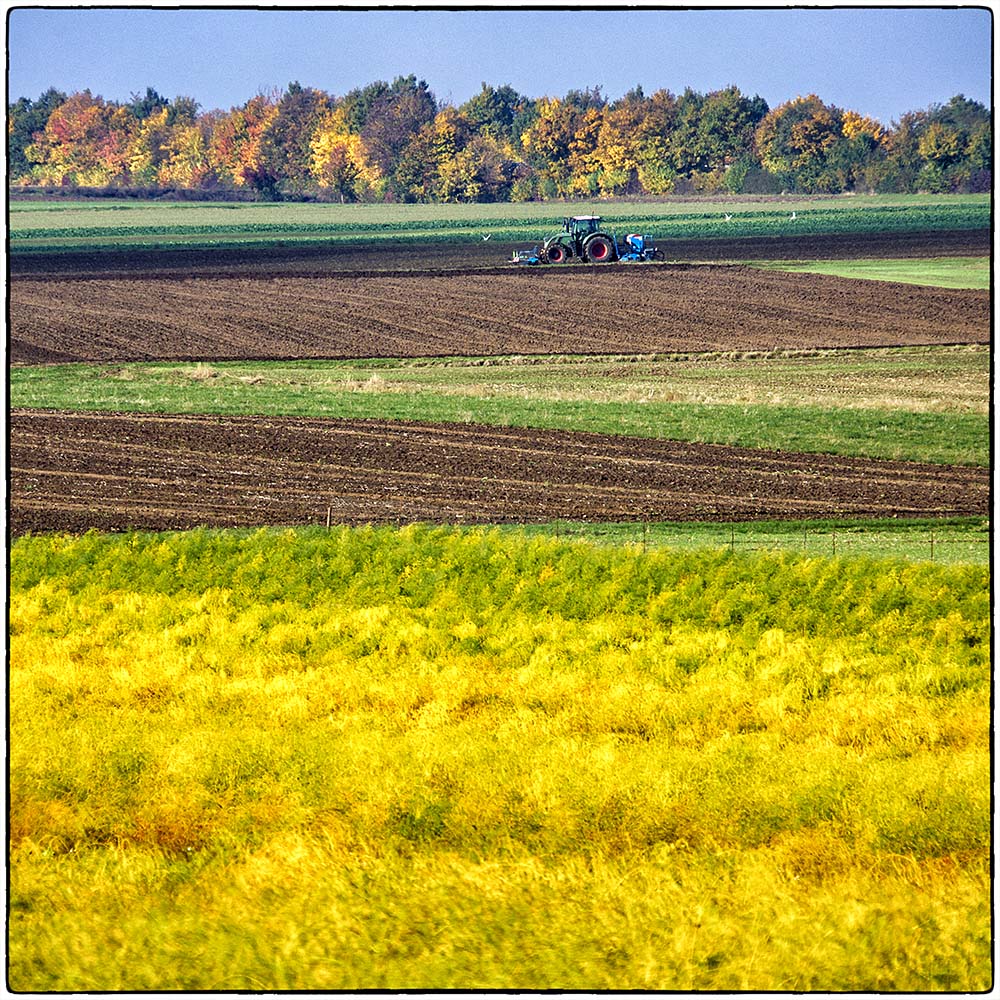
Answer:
(582, 238)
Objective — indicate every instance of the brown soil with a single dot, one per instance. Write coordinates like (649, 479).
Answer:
(73, 471)
(576, 309)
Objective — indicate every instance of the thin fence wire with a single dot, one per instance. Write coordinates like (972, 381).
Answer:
(931, 544)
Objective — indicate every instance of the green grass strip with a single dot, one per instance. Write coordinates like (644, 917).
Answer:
(946, 438)
(946, 541)
(940, 272)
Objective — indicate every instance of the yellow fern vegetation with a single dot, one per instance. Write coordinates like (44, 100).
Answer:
(430, 758)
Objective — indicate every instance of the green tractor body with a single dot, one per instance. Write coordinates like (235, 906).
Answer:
(581, 238)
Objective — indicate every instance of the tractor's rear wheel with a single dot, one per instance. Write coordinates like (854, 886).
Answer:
(600, 250)
(556, 254)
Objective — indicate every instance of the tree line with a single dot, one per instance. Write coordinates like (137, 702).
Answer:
(397, 142)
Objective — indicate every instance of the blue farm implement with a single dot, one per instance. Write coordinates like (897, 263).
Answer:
(527, 256)
(583, 239)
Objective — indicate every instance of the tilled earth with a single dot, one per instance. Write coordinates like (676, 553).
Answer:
(73, 471)
(578, 310)
(112, 471)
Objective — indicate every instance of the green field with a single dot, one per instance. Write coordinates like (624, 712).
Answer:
(429, 758)
(44, 225)
(943, 272)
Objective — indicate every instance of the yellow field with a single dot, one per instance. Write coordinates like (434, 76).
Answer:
(431, 758)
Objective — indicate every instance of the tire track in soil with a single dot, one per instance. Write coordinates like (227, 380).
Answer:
(74, 471)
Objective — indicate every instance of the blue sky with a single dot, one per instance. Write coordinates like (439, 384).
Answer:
(878, 61)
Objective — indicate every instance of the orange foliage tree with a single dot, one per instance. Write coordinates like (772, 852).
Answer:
(234, 151)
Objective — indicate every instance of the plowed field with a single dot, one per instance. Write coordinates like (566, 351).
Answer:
(619, 309)
(73, 471)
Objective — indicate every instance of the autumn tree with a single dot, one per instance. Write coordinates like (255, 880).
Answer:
(493, 166)
(979, 147)
(547, 144)
(428, 169)
(85, 141)
(339, 161)
(952, 131)
(25, 118)
(858, 157)
(168, 144)
(187, 163)
(477, 172)
(389, 116)
(285, 148)
(235, 150)
(391, 140)
(796, 140)
(149, 147)
(616, 156)
(583, 162)
(655, 170)
(417, 171)
(942, 148)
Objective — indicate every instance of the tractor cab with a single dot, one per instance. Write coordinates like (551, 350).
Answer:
(582, 225)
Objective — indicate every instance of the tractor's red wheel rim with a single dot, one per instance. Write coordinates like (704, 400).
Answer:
(599, 250)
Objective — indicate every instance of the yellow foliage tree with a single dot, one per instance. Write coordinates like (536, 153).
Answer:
(339, 161)
(547, 142)
(186, 163)
(940, 144)
(147, 149)
(584, 163)
(856, 125)
(616, 157)
(651, 139)
(235, 148)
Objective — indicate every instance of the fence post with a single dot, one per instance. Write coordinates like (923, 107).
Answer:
(329, 515)
(932, 545)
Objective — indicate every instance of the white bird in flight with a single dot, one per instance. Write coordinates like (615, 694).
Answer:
(729, 218)
(486, 237)
(793, 215)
